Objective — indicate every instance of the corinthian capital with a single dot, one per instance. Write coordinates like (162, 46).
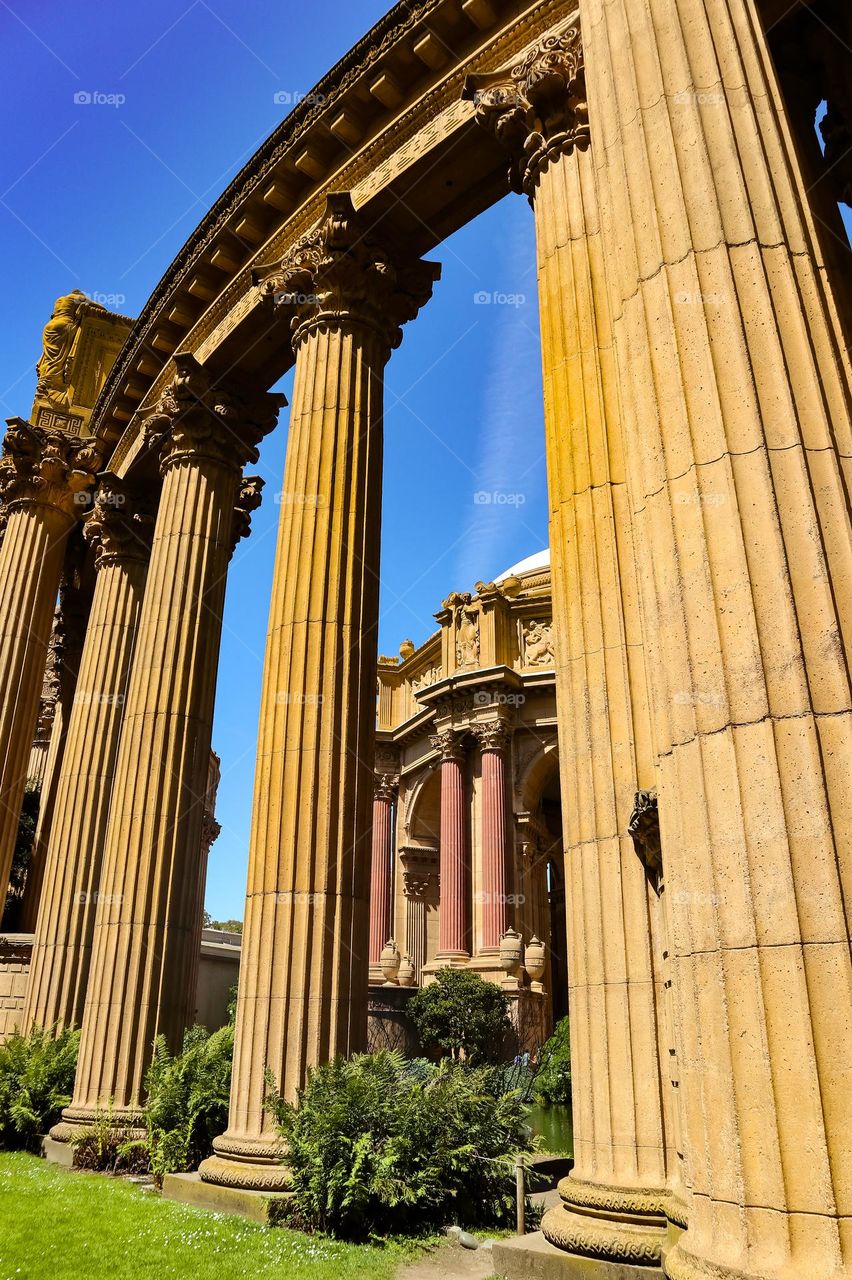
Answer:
(117, 527)
(537, 109)
(492, 735)
(46, 468)
(449, 743)
(339, 275)
(196, 418)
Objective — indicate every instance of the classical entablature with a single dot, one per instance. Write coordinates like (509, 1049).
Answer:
(387, 124)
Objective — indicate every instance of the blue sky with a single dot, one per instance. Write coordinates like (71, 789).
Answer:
(101, 196)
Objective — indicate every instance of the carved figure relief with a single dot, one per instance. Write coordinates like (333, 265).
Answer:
(538, 644)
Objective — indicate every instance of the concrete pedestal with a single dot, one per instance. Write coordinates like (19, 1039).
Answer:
(260, 1206)
(533, 1258)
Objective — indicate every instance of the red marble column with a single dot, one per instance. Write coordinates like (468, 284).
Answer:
(453, 922)
(380, 925)
(493, 739)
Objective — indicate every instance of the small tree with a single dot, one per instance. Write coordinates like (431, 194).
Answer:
(462, 1017)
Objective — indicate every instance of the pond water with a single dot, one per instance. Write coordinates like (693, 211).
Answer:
(554, 1125)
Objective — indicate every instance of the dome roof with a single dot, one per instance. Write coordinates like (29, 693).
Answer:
(536, 562)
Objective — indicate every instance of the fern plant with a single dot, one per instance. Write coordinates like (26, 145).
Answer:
(36, 1080)
(188, 1096)
(375, 1145)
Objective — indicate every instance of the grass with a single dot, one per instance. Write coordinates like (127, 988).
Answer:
(58, 1225)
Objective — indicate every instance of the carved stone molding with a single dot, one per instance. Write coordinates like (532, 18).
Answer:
(598, 1238)
(116, 528)
(492, 735)
(537, 638)
(644, 827)
(449, 744)
(385, 786)
(46, 468)
(195, 419)
(462, 613)
(248, 500)
(537, 109)
(338, 275)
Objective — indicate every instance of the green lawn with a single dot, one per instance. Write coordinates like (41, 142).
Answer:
(59, 1225)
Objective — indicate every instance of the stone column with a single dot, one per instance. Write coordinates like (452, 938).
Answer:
(454, 859)
(120, 538)
(614, 1202)
(737, 394)
(380, 868)
(415, 887)
(493, 740)
(44, 480)
(147, 924)
(303, 982)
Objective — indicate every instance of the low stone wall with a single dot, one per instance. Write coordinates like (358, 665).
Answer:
(15, 951)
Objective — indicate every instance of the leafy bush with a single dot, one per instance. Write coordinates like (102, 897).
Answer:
(461, 1016)
(377, 1144)
(553, 1081)
(36, 1080)
(188, 1096)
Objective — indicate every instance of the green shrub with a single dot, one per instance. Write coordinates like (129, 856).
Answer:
(107, 1147)
(188, 1096)
(36, 1080)
(553, 1081)
(376, 1144)
(462, 1017)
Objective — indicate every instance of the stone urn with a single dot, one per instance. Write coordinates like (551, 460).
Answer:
(389, 962)
(511, 951)
(407, 974)
(534, 955)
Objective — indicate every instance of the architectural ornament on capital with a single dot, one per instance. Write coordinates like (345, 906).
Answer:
(536, 109)
(385, 786)
(119, 526)
(339, 274)
(49, 468)
(248, 501)
(197, 419)
(449, 743)
(492, 735)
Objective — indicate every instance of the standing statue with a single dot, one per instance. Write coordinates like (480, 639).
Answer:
(58, 344)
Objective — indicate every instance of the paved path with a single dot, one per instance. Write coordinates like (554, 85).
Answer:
(449, 1262)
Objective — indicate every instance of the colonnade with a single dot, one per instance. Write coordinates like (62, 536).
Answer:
(698, 434)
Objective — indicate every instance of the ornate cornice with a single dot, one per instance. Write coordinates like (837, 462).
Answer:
(338, 276)
(115, 528)
(195, 418)
(537, 109)
(348, 171)
(39, 467)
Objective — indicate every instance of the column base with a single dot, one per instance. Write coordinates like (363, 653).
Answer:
(615, 1224)
(128, 1121)
(246, 1164)
(190, 1188)
(453, 959)
(534, 1258)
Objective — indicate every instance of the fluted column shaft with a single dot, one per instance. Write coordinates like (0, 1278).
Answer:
(41, 474)
(493, 742)
(304, 969)
(380, 913)
(147, 925)
(62, 946)
(454, 860)
(737, 409)
(616, 1195)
